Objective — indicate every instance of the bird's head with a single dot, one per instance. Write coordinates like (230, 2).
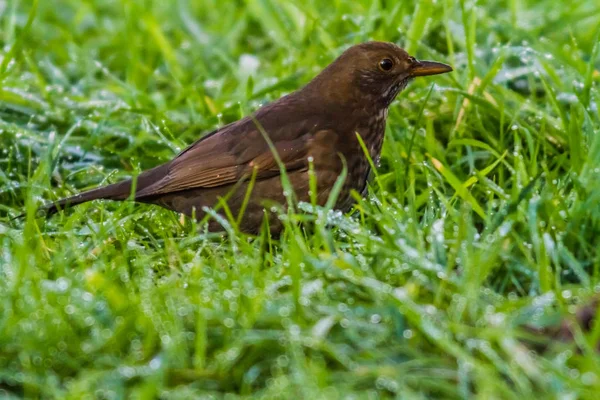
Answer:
(375, 72)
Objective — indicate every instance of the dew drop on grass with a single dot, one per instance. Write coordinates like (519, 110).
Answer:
(211, 84)
(248, 64)
(589, 378)
(304, 301)
(386, 383)
(400, 294)
(284, 311)
(155, 363)
(182, 311)
(86, 347)
(62, 284)
(430, 309)
(295, 331)
(567, 98)
(165, 339)
(126, 371)
(574, 373)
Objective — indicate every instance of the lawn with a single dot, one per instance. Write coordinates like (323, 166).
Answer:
(479, 238)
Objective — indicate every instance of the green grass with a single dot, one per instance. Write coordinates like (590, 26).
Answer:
(483, 222)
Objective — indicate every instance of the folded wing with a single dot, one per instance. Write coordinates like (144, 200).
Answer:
(231, 155)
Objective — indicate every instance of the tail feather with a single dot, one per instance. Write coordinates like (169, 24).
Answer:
(116, 191)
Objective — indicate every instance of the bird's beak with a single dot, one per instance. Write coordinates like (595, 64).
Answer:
(424, 68)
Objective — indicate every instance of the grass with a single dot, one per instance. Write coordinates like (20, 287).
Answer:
(481, 228)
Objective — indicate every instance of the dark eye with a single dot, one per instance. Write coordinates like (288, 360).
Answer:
(386, 64)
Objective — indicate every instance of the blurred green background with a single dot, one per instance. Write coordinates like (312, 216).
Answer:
(479, 238)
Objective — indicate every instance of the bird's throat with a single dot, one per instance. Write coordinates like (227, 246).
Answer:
(390, 94)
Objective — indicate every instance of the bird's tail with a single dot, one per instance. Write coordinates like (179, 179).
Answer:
(116, 191)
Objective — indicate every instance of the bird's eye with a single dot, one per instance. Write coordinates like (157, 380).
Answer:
(386, 64)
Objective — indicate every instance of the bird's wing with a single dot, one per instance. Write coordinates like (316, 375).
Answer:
(232, 154)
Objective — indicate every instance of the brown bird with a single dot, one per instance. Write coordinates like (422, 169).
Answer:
(318, 122)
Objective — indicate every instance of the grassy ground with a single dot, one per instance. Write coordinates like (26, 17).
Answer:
(482, 228)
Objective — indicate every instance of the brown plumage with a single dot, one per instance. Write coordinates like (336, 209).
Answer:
(317, 122)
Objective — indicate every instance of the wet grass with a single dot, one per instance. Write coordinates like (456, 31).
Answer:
(482, 227)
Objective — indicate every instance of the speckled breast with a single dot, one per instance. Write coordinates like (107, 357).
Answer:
(359, 169)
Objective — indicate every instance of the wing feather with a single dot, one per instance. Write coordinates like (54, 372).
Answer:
(205, 169)
(231, 153)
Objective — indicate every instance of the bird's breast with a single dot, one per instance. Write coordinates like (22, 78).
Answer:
(372, 132)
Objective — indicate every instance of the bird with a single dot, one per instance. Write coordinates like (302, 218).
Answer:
(310, 132)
